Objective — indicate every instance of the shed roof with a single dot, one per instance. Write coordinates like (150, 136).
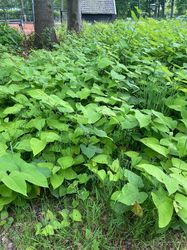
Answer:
(98, 6)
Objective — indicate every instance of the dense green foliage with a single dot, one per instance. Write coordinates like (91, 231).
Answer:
(106, 109)
(9, 37)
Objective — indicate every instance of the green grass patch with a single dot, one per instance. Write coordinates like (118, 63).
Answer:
(99, 228)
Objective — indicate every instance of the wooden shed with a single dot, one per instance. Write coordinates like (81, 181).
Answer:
(98, 10)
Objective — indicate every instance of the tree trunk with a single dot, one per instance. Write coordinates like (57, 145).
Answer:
(74, 15)
(61, 10)
(163, 8)
(158, 14)
(172, 8)
(148, 10)
(45, 34)
(156, 10)
(23, 11)
(139, 4)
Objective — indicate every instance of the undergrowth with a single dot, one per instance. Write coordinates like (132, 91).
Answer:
(106, 108)
(10, 38)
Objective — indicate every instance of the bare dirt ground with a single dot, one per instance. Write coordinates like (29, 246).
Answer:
(26, 28)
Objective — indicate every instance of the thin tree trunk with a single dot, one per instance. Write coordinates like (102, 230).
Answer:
(23, 11)
(74, 15)
(139, 4)
(163, 8)
(158, 15)
(45, 34)
(172, 8)
(156, 10)
(61, 10)
(33, 15)
(4, 13)
(149, 8)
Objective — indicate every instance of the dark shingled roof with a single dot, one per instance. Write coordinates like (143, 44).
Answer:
(98, 6)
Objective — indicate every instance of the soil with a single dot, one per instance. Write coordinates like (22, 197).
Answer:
(26, 28)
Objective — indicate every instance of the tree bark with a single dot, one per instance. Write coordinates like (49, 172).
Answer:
(156, 10)
(158, 14)
(148, 8)
(45, 34)
(61, 10)
(74, 15)
(23, 11)
(172, 8)
(163, 8)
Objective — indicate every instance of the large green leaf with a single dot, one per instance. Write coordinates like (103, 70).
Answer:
(135, 157)
(129, 195)
(133, 178)
(66, 162)
(90, 112)
(178, 163)
(170, 183)
(5, 191)
(8, 163)
(27, 172)
(102, 159)
(107, 111)
(13, 110)
(16, 182)
(144, 120)
(154, 144)
(57, 180)
(129, 122)
(56, 124)
(115, 166)
(37, 123)
(37, 94)
(104, 62)
(6, 200)
(37, 145)
(176, 103)
(182, 145)
(99, 132)
(69, 174)
(3, 148)
(48, 136)
(33, 175)
(182, 180)
(62, 105)
(102, 174)
(163, 123)
(89, 151)
(83, 94)
(76, 215)
(164, 204)
(116, 76)
(181, 206)
(24, 145)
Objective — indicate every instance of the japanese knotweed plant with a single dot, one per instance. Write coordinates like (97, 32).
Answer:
(85, 111)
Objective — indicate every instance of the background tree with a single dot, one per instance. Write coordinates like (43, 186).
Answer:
(23, 11)
(74, 15)
(163, 3)
(122, 8)
(45, 34)
(172, 8)
(181, 6)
